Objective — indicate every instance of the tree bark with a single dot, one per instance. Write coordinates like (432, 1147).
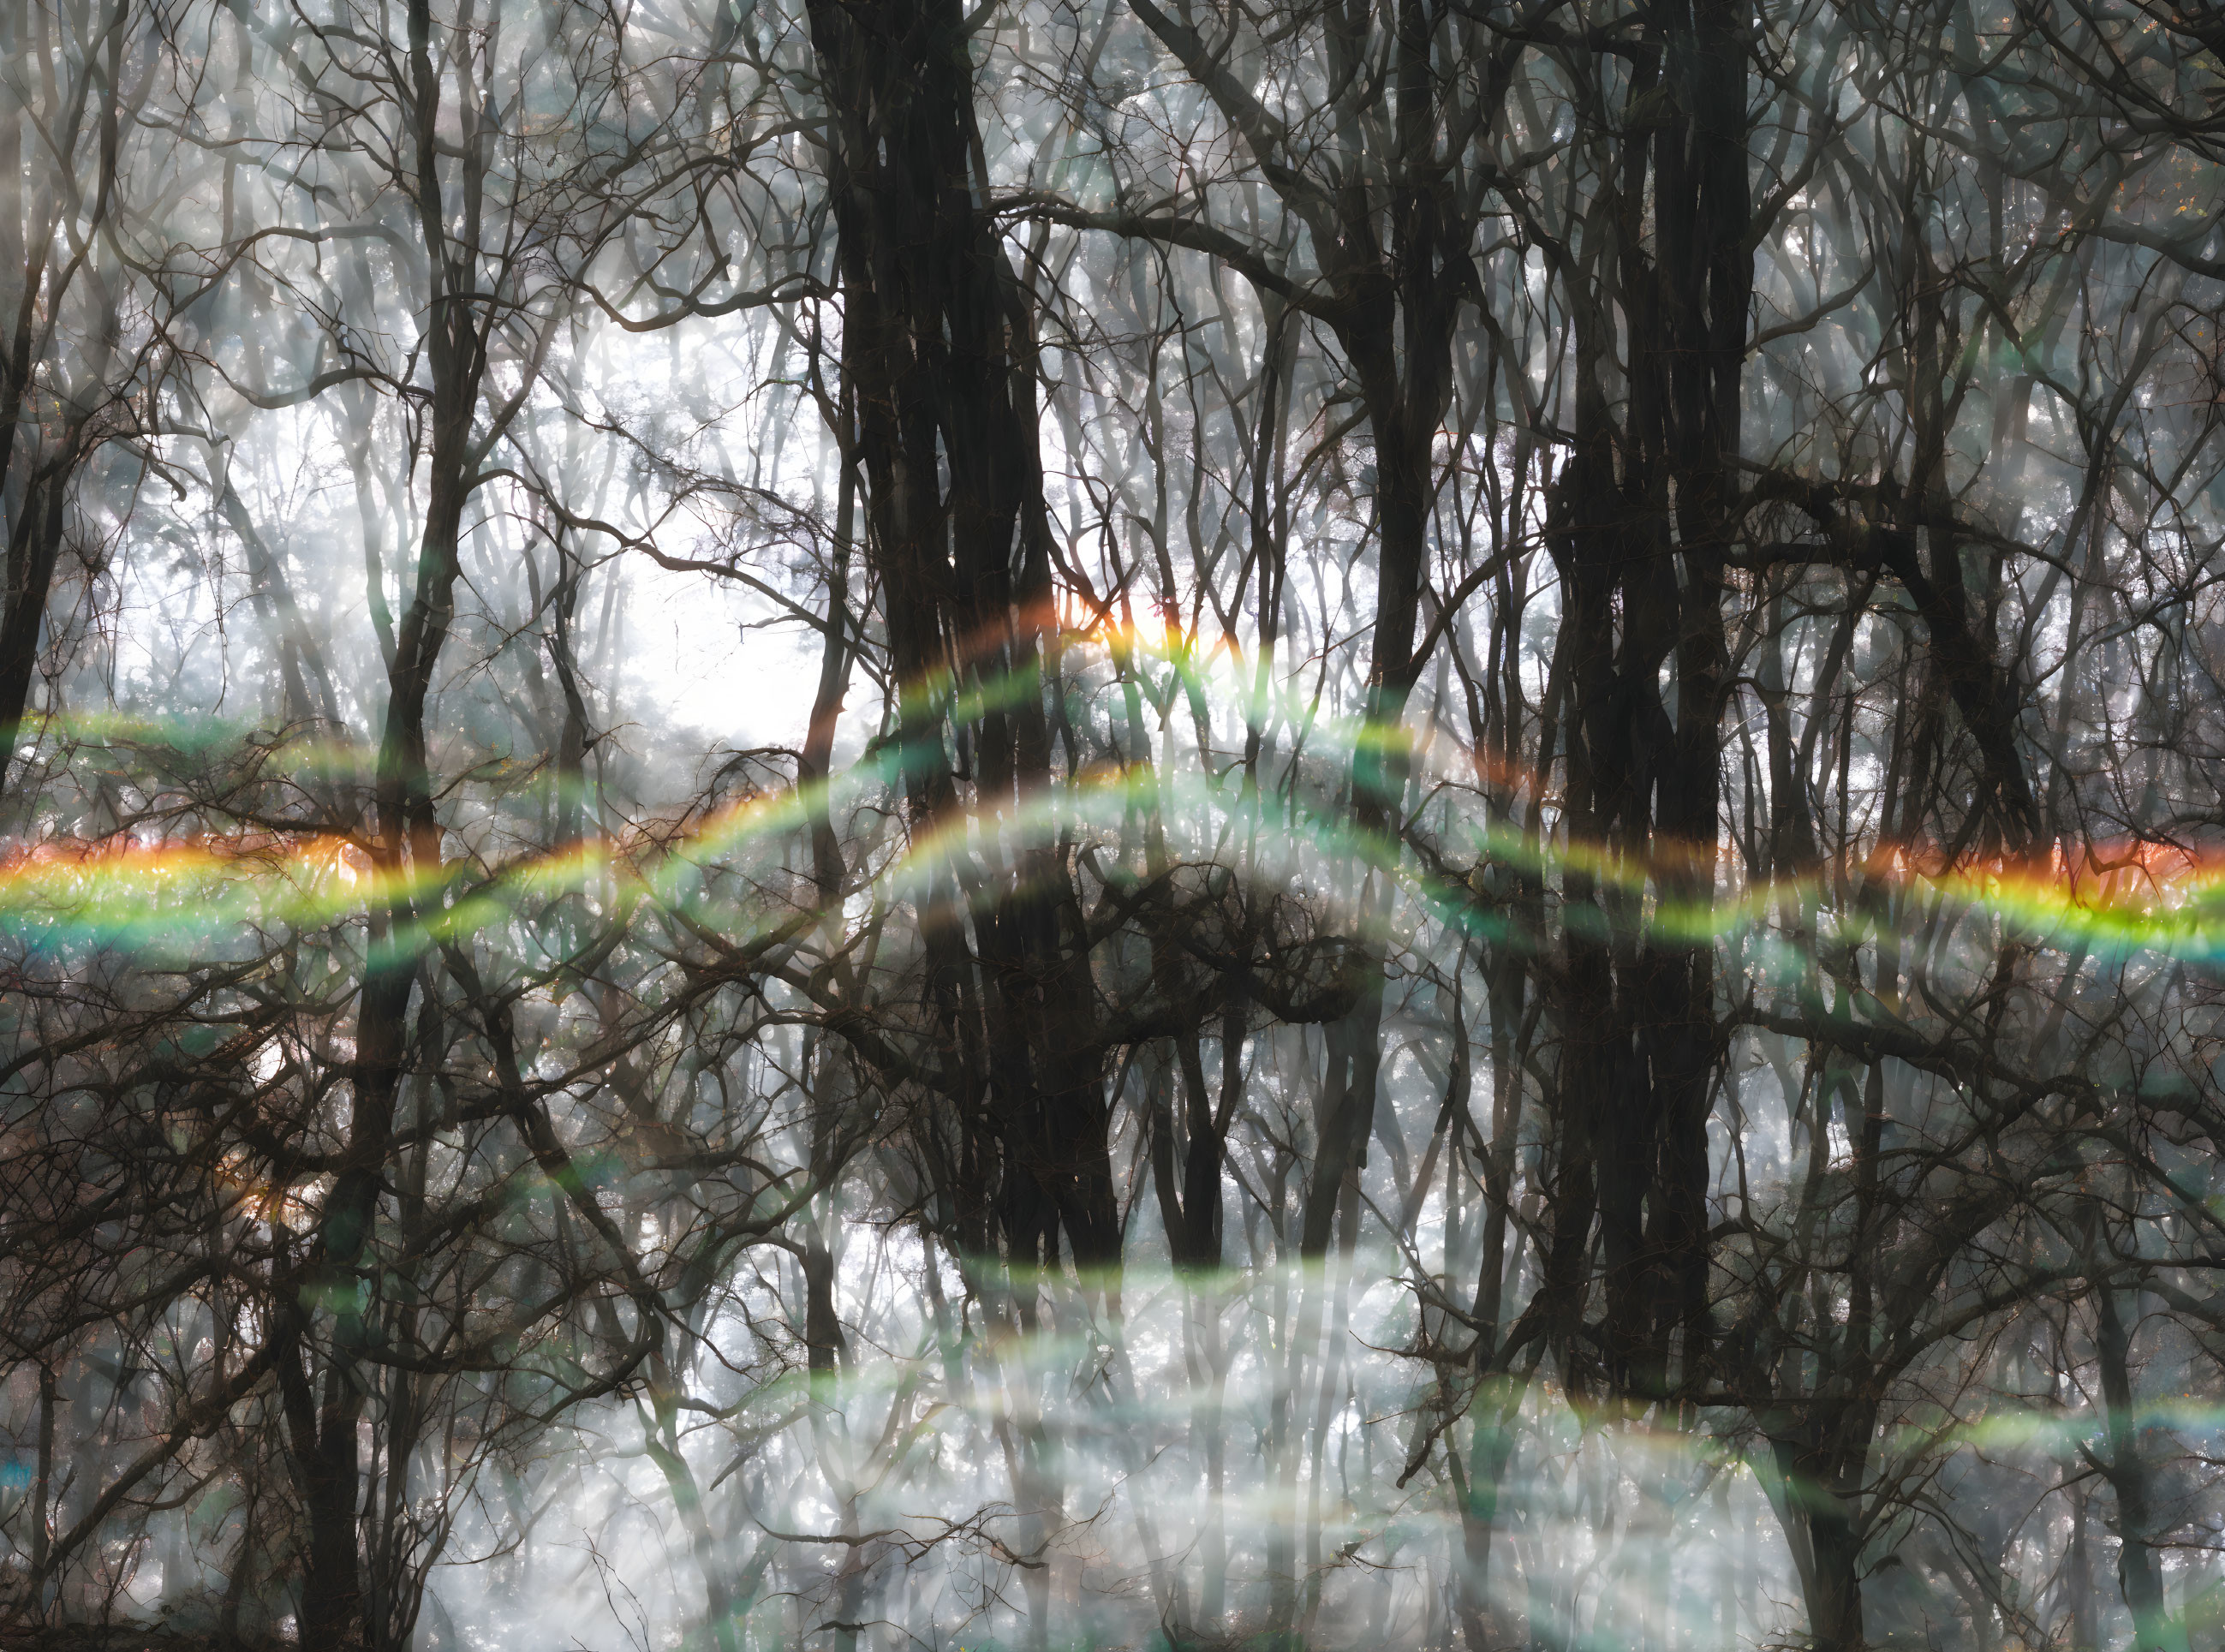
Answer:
(2127, 1470)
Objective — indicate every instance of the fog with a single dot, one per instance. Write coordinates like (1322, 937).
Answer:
(857, 825)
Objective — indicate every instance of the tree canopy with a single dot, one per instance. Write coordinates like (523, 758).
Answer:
(1350, 823)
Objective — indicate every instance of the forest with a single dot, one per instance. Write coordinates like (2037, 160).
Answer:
(868, 825)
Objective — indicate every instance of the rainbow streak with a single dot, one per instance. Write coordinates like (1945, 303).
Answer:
(156, 898)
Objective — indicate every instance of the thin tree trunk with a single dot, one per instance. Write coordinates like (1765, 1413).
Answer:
(2137, 1574)
(42, 1488)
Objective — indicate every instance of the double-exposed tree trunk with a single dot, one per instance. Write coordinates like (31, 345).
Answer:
(1814, 1475)
(65, 382)
(1641, 521)
(406, 851)
(2130, 1478)
(937, 352)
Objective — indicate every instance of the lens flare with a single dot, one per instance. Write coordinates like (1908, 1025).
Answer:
(160, 894)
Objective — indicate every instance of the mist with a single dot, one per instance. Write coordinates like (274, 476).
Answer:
(858, 824)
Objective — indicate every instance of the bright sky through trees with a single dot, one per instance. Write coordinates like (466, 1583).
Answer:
(866, 824)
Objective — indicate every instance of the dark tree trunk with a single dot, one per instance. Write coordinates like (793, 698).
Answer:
(407, 849)
(938, 352)
(2127, 1470)
(34, 292)
(1642, 586)
(34, 548)
(1820, 1462)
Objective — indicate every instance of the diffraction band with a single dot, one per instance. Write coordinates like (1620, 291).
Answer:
(172, 897)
